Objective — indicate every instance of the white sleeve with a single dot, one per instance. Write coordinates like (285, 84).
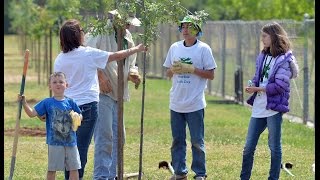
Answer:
(209, 61)
(99, 57)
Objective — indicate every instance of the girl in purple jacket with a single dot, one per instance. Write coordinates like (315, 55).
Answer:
(270, 90)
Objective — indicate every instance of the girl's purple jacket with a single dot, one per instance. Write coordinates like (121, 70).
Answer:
(278, 87)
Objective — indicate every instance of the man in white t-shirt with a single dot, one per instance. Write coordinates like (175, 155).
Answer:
(190, 64)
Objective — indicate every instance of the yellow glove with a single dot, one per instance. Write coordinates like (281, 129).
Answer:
(76, 120)
(134, 76)
(180, 68)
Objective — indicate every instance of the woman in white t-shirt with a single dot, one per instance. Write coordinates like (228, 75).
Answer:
(80, 65)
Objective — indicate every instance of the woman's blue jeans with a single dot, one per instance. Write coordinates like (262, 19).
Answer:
(195, 121)
(256, 127)
(85, 133)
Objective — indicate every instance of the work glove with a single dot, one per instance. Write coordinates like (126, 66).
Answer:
(135, 77)
(180, 67)
(76, 120)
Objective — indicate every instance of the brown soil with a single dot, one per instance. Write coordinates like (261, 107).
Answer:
(24, 131)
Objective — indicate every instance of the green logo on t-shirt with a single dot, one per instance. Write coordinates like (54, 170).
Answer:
(186, 60)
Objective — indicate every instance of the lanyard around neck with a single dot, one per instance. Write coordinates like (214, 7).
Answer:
(266, 67)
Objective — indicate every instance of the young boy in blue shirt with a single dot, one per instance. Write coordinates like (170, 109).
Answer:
(62, 116)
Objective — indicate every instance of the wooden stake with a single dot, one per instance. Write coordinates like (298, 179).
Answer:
(16, 131)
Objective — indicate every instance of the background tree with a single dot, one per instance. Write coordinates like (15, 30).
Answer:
(258, 10)
(22, 17)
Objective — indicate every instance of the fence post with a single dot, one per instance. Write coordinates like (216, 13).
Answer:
(154, 59)
(162, 54)
(223, 59)
(238, 86)
(305, 72)
(258, 29)
(238, 77)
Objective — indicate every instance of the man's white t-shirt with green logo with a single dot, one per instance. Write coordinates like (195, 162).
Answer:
(187, 91)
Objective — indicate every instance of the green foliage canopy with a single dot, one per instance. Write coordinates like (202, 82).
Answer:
(151, 13)
(253, 9)
(35, 17)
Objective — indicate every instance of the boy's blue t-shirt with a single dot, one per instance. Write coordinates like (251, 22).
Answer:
(58, 120)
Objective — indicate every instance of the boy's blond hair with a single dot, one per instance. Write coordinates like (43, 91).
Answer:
(56, 74)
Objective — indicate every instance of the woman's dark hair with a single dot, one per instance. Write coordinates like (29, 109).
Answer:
(70, 35)
(280, 42)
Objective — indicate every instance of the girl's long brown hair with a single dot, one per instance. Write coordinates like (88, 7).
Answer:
(280, 42)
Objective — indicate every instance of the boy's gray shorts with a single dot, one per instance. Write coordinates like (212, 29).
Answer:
(62, 158)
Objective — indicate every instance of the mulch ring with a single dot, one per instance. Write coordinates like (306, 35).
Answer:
(24, 131)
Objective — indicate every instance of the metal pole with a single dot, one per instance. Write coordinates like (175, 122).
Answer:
(305, 73)
(142, 115)
(161, 53)
(154, 45)
(223, 59)
(239, 63)
(142, 107)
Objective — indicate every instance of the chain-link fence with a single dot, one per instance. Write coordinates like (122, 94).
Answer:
(235, 45)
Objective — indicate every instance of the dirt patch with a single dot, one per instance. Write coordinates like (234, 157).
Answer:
(24, 131)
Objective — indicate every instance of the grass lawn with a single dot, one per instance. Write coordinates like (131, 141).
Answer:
(225, 132)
